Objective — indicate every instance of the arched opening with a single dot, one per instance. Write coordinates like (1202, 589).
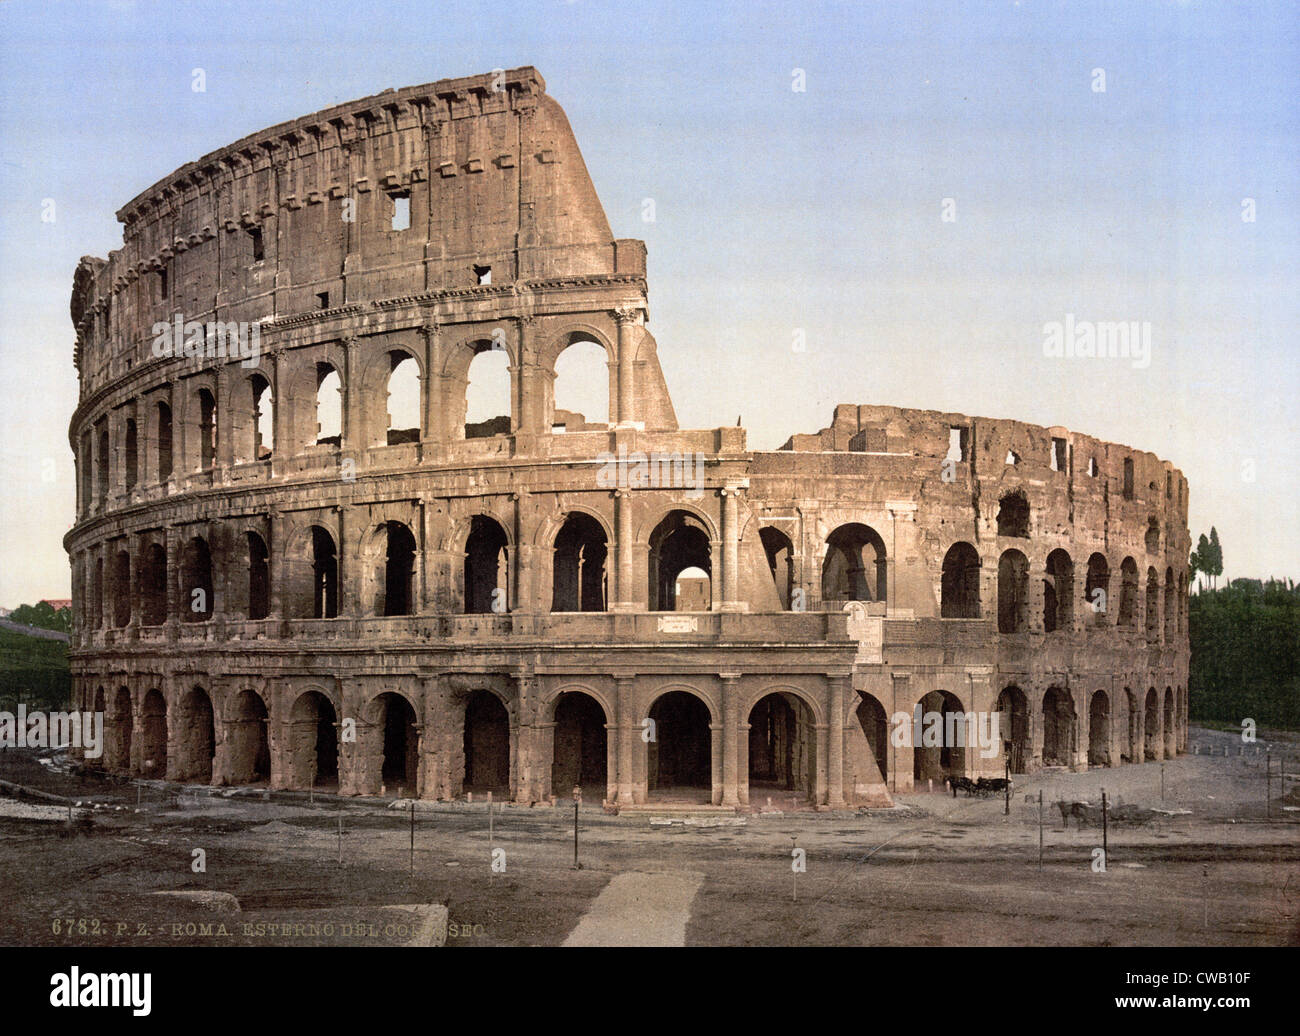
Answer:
(487, 395)
(120, 592)
(400, 766)
(581, 746)
(780, 561)
(680, 756)
(403, 399)
(1171, 609)
(98, 708)
(259, 577)
(1153, 604)
(249, 758)
(329, 406)
(1099, 730)
(1013, 726)
(1058, 727)
(487, 569)
(207, 429)
(101, 468)
(325, 574)
(945, 738)
(1171, 728)
(1096, 588)
(153, 586)
(163, 428)
(1013, 592)
(132, 454)
(678, 542)
(960, 583)
(200, 736)
(117, 736)
(1152, 538)
(1013, 515)
(196, 581)
(313, 743)
(153, 735)
(581, 389)
(1133, 743)
(1128, 591)
(855, 568)
(399, 569)
(782, 746)
(875, 727)
(487, 745)
(578, 568)
(693, 591)
(1151, 726)
(97, 594)
(1058, 592)
(263, 418)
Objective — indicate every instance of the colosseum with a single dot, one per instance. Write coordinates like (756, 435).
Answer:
(285, 578)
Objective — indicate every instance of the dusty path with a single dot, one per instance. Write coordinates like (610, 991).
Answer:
(640, 909)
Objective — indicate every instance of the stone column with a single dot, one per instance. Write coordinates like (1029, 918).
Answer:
(900, 759)
(625, 598)
(624, 692)
(173, 576)
(280, 448)
(350, 433)
(431, 381)
(730, 729)
(627, 319)
(731, 600)
(835, 743)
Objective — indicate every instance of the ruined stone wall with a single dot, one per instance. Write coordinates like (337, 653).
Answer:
(242, 596)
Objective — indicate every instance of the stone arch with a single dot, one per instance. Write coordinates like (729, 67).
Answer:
(1013, 514)
(1013, 707)
(1060, 725)
(197, 589)
(329, 409)
(259, 575)
(1096, 589)
(855, 567)
(561, 393)
(960, 582)
(581, 749)
(248, 746)
(404, 388)
(679, 759)
(313, 741)
(1128, 590)
(782, 744)
(874, 722)
(948, 757)
(153, 734)
(1151, 746)
(679, 541)
(570, 335)
(120, 588)
(1013, 592)
(580, 554)
(1153, 604)
(393, 720)
(487, 566)
(488, 385)
(1099, 729)
(117, 735)
(198, 745)
(1170, 725)
(1058, 592)
(779, 549)
(1133, 741)
(388, 553)
(1170, 607)
(487, 749)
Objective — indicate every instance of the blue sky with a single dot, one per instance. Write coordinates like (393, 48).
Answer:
(775, 210)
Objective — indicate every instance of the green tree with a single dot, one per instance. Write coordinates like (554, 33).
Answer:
(1203, 556)
(1216, 556)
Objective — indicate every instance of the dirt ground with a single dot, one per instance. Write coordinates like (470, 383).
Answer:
(933, 871)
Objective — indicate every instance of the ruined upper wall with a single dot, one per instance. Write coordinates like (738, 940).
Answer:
(489, 164)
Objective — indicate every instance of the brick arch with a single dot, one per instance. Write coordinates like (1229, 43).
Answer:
(551, 699)
(570, 334)
(648, 526)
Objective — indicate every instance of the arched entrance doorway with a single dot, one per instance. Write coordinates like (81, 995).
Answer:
(782, 747)
(249, 758)
(941, 752)
(118, 742)
(1013, 726)
(680, 757)
(313, 743)
(581, 757)
(1058, 727)
(200, 737)
(487, 745)
(399, 770)
(1099, 730)
(1151, 727)
(153, 735)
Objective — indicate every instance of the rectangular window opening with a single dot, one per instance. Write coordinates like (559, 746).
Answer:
(162, 283)
(483, 274)
(323, 300)
(256, 234)
(1060, 455)
(401, 212)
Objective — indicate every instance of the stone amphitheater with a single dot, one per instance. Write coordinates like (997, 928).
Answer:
(301, 561)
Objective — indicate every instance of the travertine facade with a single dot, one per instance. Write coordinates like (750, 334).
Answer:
(265, 595)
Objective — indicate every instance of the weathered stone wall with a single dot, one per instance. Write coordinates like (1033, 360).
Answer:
(406, 609)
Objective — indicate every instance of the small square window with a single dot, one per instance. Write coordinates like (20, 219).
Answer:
(483, 274)
(323, 300)
(558, 429)
(401, 212)
(256, 234)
